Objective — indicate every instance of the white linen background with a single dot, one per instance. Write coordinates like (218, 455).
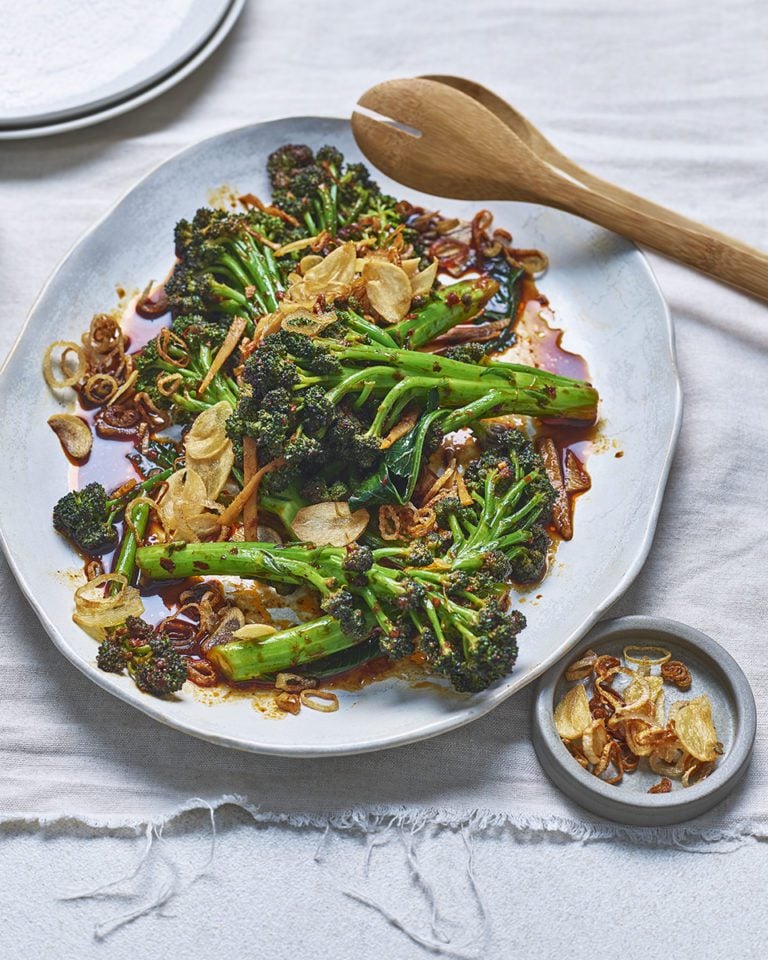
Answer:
(668, 98)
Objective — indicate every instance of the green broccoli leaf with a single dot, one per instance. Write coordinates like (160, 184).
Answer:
(396, 477)
(505, 302)
(159, 453)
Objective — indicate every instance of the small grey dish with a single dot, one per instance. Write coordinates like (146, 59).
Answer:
(715, 673)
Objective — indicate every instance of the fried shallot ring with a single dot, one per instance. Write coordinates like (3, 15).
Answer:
(168, 383)
(165, 339)
(68, 379)
(201, 672)
(322, 700)
(100, 388)
(676, 672)
(129, 522)
(582, 667)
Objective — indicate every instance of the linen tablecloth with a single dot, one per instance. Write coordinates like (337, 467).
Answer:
(460, 840)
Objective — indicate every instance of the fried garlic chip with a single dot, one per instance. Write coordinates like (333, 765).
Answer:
(330, 523)
(97, 610)
(645, 695)
(330, 275)
(207, 436)
(74, 434)
(422, 283)
(209, 450)
(388, 288)
(594, 741)
(572, 716)
(184, 505)
(298, 319)
(695, 729)
(255, 631)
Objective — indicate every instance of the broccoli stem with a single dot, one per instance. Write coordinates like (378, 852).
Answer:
(125, 563)
(249, 659)
(526, 391)
(284, 508)
(260, 277)
(143, 487)
(447, 308)
(233, 301)
(360, 325)
(265, 561)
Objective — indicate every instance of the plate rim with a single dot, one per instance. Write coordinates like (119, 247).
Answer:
(132, 101)
(95, 103)
(426, 730)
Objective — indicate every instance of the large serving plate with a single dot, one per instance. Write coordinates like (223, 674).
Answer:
(606, 299)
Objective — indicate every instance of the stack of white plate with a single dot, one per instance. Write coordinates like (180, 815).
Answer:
(69, 65)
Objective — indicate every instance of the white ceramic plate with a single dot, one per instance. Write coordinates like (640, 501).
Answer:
(606, 299)
(143, 65)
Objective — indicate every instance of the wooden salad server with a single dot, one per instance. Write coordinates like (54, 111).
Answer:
(467, 143)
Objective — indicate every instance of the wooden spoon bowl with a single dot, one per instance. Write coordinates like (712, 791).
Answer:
(465, 142)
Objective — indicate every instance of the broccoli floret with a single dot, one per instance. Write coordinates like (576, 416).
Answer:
(351, 443)
(309, 353)
(326, 194)
(467, 352)
(493, 654)
(497, 566)
(112, 655)
(284, 164)
(270, 368)
(485, 652)
(419, 554)
(341, 605)
(318, 490)
(332, 158)
(528, 566)
(448, 508)
(316, 411)
(513, 444)
(151, 660)
(359, 558)
(303, 453)
(269, 421)
(399, 641)
(437, 542)
(162, 672)
(457, 582)
(224, 267)
(413, 597)
(529, 563)
(198, 332)
(85, 517)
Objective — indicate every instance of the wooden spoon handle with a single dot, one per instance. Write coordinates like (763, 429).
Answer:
(669, 233)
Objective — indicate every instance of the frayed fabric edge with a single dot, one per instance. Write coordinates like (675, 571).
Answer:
(524, 827)
(435, 932)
